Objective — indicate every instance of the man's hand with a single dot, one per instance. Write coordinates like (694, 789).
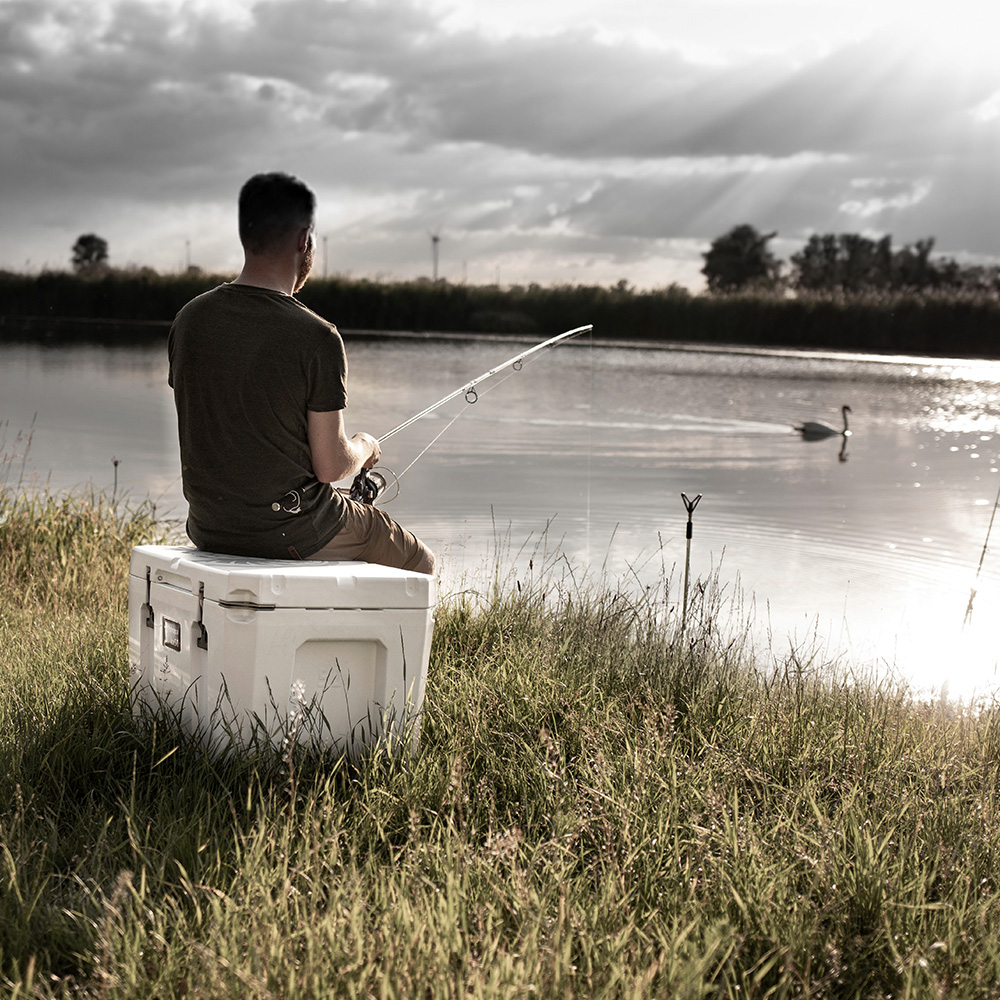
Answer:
(362, 439)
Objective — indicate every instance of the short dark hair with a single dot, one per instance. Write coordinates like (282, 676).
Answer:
(270, 207)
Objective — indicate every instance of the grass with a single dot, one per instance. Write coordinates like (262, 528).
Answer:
(600, 807)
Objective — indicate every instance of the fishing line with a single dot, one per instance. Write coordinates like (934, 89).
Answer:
(982, 556)
(430, 444)
(469, 389)
(362, 488)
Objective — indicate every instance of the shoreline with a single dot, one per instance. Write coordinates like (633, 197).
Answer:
(63, 331)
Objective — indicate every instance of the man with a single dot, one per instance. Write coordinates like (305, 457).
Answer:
(260, 387)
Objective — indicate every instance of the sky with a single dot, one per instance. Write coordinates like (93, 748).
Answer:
(579, 142)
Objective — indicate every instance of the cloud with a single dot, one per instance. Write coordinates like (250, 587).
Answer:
(153, 112)
(879, 195)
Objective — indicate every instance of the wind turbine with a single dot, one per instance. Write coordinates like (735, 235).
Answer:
(435, 240)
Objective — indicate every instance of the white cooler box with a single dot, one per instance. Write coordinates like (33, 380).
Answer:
(333, 653)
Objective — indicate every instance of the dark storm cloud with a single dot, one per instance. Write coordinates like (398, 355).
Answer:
(550, 136)
(571, 95)
(120, 106)
(147, 75)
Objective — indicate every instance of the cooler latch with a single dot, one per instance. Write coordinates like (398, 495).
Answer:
(147, 608)
(202, 631)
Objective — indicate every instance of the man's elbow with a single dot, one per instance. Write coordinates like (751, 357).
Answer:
(329, 470)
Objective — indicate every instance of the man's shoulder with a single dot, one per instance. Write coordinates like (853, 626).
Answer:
(310, 317)
(261, 306)
(213, 298)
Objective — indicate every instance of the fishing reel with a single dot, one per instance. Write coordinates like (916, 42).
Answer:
(367, 487)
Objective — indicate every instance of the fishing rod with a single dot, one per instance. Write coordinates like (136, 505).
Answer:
(469, 389)
(367, 485)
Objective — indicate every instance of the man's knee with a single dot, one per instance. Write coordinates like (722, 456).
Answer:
(425, 561)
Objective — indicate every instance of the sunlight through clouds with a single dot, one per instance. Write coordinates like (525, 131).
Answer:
(875, 204)
(989, 109)
(522, 132)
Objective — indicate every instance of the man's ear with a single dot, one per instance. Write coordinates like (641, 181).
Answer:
(303, 239)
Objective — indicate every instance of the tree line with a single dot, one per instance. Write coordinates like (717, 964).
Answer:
(123, 306)
(918, 305)
(740, 260)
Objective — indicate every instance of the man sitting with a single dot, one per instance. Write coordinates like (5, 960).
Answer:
(260, 386)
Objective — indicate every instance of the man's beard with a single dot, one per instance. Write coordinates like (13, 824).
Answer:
(306, 264)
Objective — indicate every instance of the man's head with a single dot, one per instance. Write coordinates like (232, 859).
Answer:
(276, 215)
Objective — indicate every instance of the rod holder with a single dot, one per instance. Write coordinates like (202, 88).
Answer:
(689, 506)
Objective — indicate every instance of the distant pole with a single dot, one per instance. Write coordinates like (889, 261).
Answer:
(435, 240)
(326, 258)
(187, 255)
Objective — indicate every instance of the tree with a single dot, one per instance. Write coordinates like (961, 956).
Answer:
(853, 263)
(912, 267)
(740, 259)
(817, 265)
(867, 263)
(90, 254)
(847, 262)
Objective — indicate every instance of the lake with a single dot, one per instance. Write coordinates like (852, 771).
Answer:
(866, 551)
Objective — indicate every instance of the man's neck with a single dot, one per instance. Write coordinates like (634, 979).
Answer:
(267, 272)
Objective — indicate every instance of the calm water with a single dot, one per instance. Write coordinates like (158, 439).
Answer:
(871, 553)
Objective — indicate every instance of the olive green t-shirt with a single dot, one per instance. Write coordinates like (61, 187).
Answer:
(246, 364)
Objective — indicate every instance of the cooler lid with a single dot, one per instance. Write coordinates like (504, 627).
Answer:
(242, 581)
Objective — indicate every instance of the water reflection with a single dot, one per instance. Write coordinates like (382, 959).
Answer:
(868, 544)
(79, 409)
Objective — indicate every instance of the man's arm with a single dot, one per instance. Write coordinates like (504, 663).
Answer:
(335, 456)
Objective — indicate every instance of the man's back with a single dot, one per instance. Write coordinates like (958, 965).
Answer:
(246, 363)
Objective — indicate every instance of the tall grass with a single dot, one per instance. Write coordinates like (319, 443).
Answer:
(134, 307)
(600, 807)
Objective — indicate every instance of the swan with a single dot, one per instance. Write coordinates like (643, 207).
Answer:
(813, 431)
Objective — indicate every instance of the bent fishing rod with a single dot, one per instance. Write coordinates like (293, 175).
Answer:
(469, 389)
(368, 485)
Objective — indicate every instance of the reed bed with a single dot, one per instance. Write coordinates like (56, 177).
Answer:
(137, 307)
(602, 805)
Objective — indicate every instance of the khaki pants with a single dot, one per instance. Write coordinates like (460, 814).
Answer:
(371, 536)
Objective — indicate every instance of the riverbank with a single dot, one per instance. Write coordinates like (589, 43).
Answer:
(132, 307)
(602, 805)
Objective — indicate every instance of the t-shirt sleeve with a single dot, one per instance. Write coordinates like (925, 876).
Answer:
(328, 376)
(170, 356)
